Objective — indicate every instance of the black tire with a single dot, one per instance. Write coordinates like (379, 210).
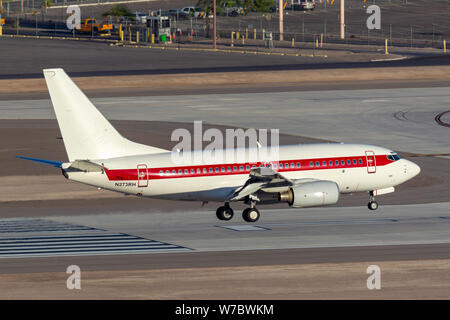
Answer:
(224, 213)
(251, 215)
(372, 205)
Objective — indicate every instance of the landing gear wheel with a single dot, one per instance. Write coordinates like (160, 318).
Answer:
(373, 205)
(250, 215)
(224, 213)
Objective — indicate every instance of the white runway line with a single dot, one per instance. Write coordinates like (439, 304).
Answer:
(95, 241)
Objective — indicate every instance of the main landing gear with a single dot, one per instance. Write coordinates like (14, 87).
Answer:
(225, 213)
(372, 205)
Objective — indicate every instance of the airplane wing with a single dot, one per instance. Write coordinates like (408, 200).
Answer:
(263, 178)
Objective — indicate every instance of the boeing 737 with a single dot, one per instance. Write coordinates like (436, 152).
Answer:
(305, 175)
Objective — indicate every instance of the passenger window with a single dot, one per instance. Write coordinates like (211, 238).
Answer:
(192, 171)
(281, 166)
(292, 165)
(311, 164)
(241, 168)
(324, 163)
(160, 171)
(186, 171)
(180, 171)
(348, 162)
(298, 164)
(167, 171)
(336, 162)
(204, 170)
(174, 171)
(247, 167)
(217, 169)
(229, 169)
(234, 168)
(198, 171)
(354, 161)
(343, 162)
(317, 164)
(274, 165)
(210, 170)
(360, 161)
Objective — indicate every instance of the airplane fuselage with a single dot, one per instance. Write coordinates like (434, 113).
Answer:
(353, 167)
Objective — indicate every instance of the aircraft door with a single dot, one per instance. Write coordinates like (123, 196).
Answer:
(142, 172)
(371, 162)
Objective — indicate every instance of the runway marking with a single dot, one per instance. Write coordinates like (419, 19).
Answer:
(40, 225)
(401, 115)
(439, 120)
(80, 241)
(244, 227)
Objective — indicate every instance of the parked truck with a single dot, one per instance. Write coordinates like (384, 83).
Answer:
(91, 26)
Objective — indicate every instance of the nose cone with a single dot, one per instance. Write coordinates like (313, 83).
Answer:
(413, 169)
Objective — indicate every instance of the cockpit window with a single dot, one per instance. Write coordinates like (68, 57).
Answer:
(393, 156)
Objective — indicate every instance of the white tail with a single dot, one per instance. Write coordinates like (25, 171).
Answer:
(86, 133)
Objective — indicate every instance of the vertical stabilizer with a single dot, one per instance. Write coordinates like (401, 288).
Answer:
(86, 132)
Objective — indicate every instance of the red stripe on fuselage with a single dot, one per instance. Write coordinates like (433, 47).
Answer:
(198, 171)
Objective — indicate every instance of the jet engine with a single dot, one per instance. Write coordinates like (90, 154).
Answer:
(310, 194)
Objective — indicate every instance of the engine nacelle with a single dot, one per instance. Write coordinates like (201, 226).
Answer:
(311, 194)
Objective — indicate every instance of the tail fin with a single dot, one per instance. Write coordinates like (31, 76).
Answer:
(86, 133)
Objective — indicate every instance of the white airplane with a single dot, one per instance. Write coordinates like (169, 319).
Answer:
(303, 175)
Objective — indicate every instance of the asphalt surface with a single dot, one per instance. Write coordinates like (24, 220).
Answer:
(83, 58)
(401, 119)
(111, 241)
(40, 237)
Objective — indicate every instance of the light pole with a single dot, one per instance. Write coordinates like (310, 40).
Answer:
(280, 12)
(214, 25)
(342, 19)
(1, 10)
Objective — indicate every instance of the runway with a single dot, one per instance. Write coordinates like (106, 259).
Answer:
(394, 232)
(118, 233)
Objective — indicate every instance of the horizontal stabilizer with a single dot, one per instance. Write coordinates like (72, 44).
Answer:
(56, 164)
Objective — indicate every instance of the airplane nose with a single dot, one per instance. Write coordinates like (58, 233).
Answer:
(413, 169)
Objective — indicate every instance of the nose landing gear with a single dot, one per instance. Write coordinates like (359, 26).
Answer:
(372, 205)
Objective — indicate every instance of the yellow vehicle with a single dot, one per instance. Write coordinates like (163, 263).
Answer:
(2, 22)
(91, 26)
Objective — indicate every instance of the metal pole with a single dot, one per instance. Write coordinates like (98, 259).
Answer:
(411, 36)
(342, 19)
(214, 25)
(280, 11)
(303, 31)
